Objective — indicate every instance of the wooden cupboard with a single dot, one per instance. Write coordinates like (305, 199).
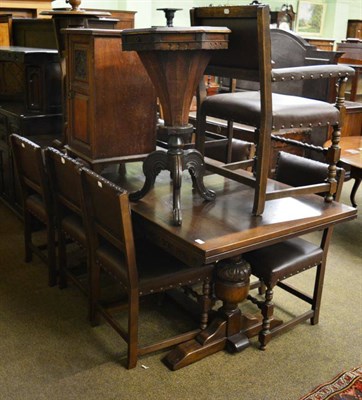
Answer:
(30, 105)
(111, 102)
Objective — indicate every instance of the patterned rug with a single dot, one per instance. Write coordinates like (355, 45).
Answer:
(345, 386)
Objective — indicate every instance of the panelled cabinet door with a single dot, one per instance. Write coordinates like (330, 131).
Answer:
(111, 101)
(79, 101)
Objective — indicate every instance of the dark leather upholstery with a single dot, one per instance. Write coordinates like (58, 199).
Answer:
(157, 270)
(275, 263)
(36, 206)
(217, 149)
(73, 227)
(288, 111)
(297, 171)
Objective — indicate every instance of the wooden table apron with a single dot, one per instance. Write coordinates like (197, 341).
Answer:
(221, 231)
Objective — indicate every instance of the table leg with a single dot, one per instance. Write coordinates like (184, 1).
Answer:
(225, 331)
(152, 166)
(175, 160)
(355, 187)
(194, 162)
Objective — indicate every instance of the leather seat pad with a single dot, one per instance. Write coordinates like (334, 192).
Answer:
(153, 265)
(72, 225)
(35, 205)
(288, 111)
(279, 261)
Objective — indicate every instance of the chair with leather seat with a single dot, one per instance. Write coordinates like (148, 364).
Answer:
(36, 202)
(139, 267)
(248, 58)
(65, 186)
(275, 263)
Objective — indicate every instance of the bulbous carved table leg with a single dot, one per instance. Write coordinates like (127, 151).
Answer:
(175, 160)
(225, 331)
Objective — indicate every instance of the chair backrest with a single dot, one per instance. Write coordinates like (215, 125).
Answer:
(249, 53)
(108, 219)
(30, 167)
(248, 56)
(300, 171)
(64, 179)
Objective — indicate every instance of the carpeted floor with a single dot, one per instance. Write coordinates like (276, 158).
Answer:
(49, 351)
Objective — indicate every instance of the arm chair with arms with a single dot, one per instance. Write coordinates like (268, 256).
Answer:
(37, 201)
(139, 267)
(249, 58)
(275, 263)
(65, 185)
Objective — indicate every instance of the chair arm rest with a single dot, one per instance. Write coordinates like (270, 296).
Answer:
(311, 72)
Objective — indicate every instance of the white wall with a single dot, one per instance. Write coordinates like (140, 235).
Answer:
(337, 13)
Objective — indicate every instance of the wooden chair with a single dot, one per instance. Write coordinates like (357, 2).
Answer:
(249, 58)
(36, 199)
(65, 185)
(139, 267)
(275, 263)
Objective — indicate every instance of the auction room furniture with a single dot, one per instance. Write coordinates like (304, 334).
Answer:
(111, 101)
(351, 160)
(64, 182)
(283, 19)
(321, 43)
(30, 105)
(175, 59)
(5, 29)
(274, 264)
(114, 248)
(76, 17)
(352, 56)
(25, 8)
(249, 58)
(221, 232)
(354, 28)
(37, 202)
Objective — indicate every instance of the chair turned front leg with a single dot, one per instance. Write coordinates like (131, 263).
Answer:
(267, 311)
(333, 156)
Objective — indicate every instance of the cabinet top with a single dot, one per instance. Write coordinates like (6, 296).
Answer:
(176, 38)
(27, 50)
(27, 54)
(92, 31)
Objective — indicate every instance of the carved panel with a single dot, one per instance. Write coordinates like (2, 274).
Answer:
(80, 64)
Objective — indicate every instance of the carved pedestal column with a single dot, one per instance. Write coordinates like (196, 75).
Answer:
(225, 331)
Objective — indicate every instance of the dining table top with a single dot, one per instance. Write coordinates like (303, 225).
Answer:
(225, 227)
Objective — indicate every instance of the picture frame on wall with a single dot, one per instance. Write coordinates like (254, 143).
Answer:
(310, 17)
